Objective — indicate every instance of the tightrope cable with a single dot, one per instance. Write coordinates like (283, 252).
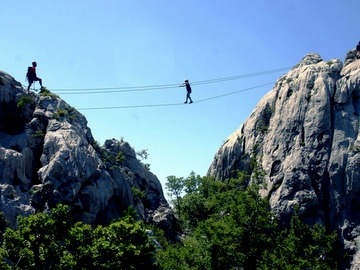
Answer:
(102, 90)
(130, 106)
(234, 92)
(174, 104)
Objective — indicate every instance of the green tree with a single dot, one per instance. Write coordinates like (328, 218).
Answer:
(175, 186)
(39, 241)
(240, 230)
(229, 226)
(208, 196)
(303, 247)
(191, 183)
(79, 247)
(54, 241)
(122, 245)
(192, 254)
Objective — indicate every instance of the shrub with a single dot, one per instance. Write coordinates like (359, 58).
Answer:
(137, 193)
(46, 93)
(24, 100)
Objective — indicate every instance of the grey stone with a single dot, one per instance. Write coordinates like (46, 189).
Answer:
(304, 135)
(49, 156)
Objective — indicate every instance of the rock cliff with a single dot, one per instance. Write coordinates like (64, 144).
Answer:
(301, 144)
(49, 156)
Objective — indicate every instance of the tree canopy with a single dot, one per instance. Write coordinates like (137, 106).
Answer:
(55, 241)
(229, 226)
(226, 225)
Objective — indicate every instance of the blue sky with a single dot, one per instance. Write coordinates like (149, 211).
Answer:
(115, 43)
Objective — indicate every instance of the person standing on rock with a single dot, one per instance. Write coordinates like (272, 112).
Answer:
(188, 89)
(31, 75)
(358, 51)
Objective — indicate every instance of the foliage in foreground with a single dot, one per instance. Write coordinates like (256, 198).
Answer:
(227, 225)
(54, 241)
(231, 227)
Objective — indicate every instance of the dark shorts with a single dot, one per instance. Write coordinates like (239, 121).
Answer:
(35, 79)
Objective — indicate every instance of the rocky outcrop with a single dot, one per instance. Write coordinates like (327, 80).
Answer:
(304, 136)
(49, 156)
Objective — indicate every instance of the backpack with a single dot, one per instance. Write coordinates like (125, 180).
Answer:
(29, 73)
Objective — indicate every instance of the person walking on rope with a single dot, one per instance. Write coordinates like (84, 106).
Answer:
(188, 90)
(31, 75)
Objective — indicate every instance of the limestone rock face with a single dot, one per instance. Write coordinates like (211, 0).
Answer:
(304, 136)
(49, 156)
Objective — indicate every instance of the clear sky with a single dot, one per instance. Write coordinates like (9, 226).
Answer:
(128, 43)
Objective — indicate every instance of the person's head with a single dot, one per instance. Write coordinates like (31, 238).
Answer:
(186, 81)
(34, 64)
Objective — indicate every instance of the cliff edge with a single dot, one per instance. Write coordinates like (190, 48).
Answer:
(301, 144)
(49, 156)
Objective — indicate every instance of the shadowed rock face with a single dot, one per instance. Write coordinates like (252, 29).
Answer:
(49, 156)
(304, 136)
